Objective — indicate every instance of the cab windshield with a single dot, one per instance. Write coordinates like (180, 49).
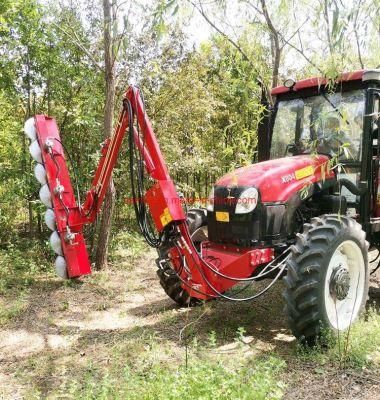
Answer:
(328, 123)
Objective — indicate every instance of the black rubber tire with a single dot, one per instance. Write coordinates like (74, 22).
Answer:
(196, 218)
(172, 286)
(169, 280)
(306, 274)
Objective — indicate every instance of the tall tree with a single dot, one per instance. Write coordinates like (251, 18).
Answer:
(109, 15)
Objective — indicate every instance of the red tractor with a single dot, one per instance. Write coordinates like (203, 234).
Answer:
(308, 211)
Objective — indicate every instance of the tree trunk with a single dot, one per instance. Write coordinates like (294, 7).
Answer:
(275, 44)
(30, 213)
(108, 205)
(105, 228)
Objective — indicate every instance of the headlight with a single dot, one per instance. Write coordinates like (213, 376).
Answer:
(247, 201)
(210, 202)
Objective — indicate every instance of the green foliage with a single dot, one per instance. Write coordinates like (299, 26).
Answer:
(127, 247)
(183, 111)
(37, 53)
(206, 111)
(20, 264)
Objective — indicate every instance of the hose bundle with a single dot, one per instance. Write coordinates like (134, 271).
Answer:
(154, 239)
(138, 179)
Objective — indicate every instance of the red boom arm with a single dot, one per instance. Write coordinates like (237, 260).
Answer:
(200, 278)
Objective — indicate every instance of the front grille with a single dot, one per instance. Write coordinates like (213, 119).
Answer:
(264, 224)
(242, 229)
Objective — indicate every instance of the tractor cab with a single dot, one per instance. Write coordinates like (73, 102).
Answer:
(330, 123)
(339, 120)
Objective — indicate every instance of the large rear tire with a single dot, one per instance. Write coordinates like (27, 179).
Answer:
(197, 221)
(327, 277)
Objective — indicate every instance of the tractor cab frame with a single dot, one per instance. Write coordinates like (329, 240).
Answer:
(359, 171)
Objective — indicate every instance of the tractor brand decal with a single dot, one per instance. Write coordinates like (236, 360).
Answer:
(304, 172)
(288, 178)
(299, 174)
(166, 217)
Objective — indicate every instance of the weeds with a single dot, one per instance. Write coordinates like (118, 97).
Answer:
(212, 339)
(240, 332)
(363, 342)
(202, 379)
(359, 350)
(19, 265)
(9, 312)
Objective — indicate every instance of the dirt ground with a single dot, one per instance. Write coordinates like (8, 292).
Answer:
(65, 325)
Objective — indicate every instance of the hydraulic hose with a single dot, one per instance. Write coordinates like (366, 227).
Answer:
(136, 169)
(351, 186)
(137, 178)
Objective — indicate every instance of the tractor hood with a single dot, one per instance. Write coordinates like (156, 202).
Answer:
(277, 180)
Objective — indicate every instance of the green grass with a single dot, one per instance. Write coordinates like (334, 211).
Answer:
(202, 379)
(142, 364)
(357, 348)
(9, 312)
(20, 265)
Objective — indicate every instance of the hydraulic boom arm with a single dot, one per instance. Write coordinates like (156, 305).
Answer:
(159, 203)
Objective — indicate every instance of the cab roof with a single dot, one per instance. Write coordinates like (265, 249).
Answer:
(318, 81)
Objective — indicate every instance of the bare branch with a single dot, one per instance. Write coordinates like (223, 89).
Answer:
(327, 20)
(257, 9)
(302, 54)
(260, 81)
(296, 32)
(80, 45)
(357, 35)
(199, 8)
(276, 43)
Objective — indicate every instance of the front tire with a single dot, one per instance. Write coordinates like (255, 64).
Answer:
(197, 223)
(327, 277)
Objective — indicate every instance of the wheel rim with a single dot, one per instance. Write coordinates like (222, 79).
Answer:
(344, 285)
